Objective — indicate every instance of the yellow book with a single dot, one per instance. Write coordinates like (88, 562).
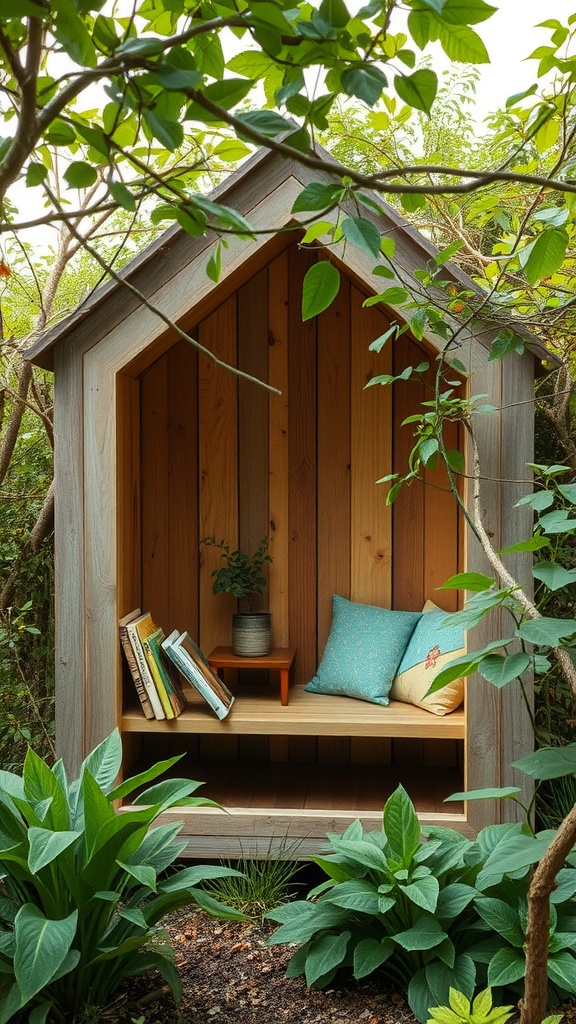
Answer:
(145, 627)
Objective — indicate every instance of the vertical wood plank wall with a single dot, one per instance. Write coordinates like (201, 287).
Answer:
(221, 456)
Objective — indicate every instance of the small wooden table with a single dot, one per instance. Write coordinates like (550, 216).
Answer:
(280, 658)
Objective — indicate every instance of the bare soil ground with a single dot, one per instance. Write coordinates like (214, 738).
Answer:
(230, 976)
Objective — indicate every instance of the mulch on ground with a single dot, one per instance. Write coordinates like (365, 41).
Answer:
(230, 976)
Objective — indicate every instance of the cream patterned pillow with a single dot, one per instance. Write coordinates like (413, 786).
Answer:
(429, 650)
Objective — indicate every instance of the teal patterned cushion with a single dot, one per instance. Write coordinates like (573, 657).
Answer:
(363, 652)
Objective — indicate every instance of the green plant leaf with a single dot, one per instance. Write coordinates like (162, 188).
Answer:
(105, 761)
(562, 971)
(418, 90)
(46, 846)
(320, 288)
(473, 581)
(267, 122)
(325, 953)
(308, 919)
(317, 196)
(547, 254)
(453, 899)
(401, 825)
(503, 919)
(426, 933)
(490, 793)
(41, 948)
(357, 894)
(423, 892)
(80, 175)
(532, 544)
(369, 955)
(506, 967)
(547, 631)
(501, 669)
(362, 233)
(364, 81)
(462, 44)
(549, 762)
(554, 575)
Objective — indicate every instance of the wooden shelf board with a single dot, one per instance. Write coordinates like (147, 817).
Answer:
(257, 711)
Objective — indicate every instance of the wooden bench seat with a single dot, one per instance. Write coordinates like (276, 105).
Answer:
(257, 712)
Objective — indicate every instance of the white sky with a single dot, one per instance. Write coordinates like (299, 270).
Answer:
(510, 36)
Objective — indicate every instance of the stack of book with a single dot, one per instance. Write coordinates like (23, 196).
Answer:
(155, 662)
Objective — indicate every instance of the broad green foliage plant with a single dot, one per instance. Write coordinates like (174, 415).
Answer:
(83, 888)
(241, 575)
(430, 908)
(462, 1011)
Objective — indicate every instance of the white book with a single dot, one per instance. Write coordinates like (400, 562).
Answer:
(190, 661)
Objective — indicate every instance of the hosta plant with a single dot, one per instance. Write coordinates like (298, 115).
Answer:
(84, 887)
(461, 1011)
(431, 908)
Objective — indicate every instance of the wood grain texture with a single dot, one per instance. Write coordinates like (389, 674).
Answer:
(408, 516)
(302, 469)
(278, 488)
(253, 428)
(218, 467)
(69, 557)
(183, 537)
(334, 456)
(155, 486)
(129, 510)
(371, 445)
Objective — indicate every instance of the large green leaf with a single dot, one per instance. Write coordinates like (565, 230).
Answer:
(41, 948)
(320, 288)
(325, 953)
(554, 575)
(423, 892)
(357, 894)
(370, 954)
(502, 918)
(465, 12)
(547, 631)
(362, 233)
(364, 81)
(401, 825)
(129, 785)
(361, 852)
(547, 254)
(462, 44)
(453, 899)
(562, 971)
(549, 762)
(46, 846)
(105, 761)
(506, 967)
(317, 196)
(425, 934)
(308, 919)
(499, 669)
(418, 90)
(491, 793)
(473, 581)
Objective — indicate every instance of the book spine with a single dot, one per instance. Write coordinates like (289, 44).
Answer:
(145, 672)
(192, 674)
(158, 680)
(133, 666)
(170, 676)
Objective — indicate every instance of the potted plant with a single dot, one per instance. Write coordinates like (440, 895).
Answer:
(242, 576)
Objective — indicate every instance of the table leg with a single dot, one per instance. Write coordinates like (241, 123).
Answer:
(284, 672)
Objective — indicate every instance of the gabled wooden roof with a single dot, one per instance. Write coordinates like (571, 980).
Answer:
(263, 190)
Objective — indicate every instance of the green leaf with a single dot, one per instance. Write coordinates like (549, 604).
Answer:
(35, 174)
(423, 892)
(562, 971)
(556, 522)
(41, 948)
(418, 90)
(364, 81)
(122, 195)
(369, 955)
(539, 500)
(267, 122)
(547, 631)
(391, 296)
(168, 133)
(304, 920)
(554, 575)
(568, 491)
(499, 669)
(462, 44)
(362, 233)
(496, 793)
(425, 934)
(453, 899)
(401, 825)
(532, 544)
(506, 967)
(473, 581)
(503, 919)
(547, 254)
(316, 196)
(549, 762)
(505, 342)
(320, 288)
(334, 12)
(46, 846)
(325, 953)
(357, 894)
(105, 761)
(80, 174)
